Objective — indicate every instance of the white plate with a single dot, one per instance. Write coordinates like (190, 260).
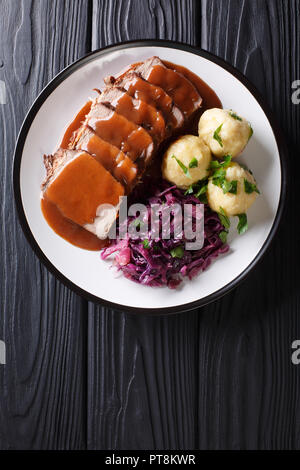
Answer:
(83, 270)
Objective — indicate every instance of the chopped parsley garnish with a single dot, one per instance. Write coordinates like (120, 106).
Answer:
(223, 218)
(189, 190)
(182, 166)
(219, 179)
(233, 189)
(215, 164)
(235, 116)
(219, 175)
(177, 252)
(242, 226)
(199, 190)
(193, 163)
(250, 132)
(217, 136)
(201, 194)
(226, 186)
(227, 161)
(250, 187)
(223, 236)
(146, 244)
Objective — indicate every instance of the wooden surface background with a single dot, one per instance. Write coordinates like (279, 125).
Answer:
(82, 376)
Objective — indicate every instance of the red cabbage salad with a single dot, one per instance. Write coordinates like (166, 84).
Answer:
(158, 262)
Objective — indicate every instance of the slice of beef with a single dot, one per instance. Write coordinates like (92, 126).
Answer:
(142, 90)
(114, 128)
(54, 163)
(82, 190)
(111, 157)
(181, 90)
(135, 110)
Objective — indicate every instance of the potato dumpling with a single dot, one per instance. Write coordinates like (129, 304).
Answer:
(233, 204)
(186, 161)
(225, 132)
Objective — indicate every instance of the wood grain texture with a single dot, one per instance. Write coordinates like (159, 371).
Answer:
(118, 21)
(42, 386)
(79, 375)
(242, 391)
(248, 385)
(141, 381)
(142, 371)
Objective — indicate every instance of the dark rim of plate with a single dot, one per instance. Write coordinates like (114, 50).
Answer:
(59, 79)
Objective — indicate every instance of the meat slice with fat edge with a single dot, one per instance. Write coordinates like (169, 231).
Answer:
(181, 90)
(140, 89)
(132, 139)
(83, 190)
(135, 110)
(111, 157)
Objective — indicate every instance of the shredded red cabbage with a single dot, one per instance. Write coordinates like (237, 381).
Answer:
(151, 263)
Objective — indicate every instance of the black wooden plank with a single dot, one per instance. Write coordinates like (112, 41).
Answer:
(248, 387)
(117, 21)
(141, 371)
(222, 379)
(42, 386)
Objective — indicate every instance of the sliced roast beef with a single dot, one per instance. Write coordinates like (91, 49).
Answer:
(135, 110)
(116, 143)
(181, 90)
(142, 90)
(114, 128)
(54, 163)
(111, 157)
(83, 190)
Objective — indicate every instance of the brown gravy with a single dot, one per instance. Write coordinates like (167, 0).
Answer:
(110, 132)
(210, 98)
(66, 212)
(81, 186)
(68, 230)
(119, 131)
(75, 124)
(154, 96)
(141, 114)
(181, 90)
(112, 158)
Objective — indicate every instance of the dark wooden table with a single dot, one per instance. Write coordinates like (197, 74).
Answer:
(81, 376)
